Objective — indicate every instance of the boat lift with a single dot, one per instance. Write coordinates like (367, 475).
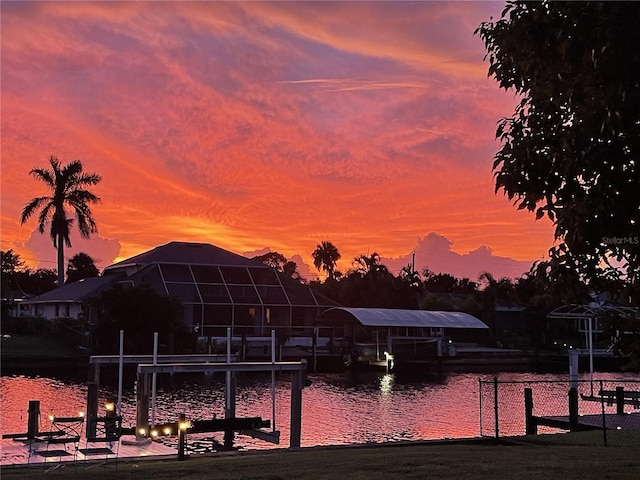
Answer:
(150, 366)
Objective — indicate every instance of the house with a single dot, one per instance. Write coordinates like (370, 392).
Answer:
(218, 289)
(13, 303)
(68, 301)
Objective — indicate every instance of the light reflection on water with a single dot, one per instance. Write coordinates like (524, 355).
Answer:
(337, 408)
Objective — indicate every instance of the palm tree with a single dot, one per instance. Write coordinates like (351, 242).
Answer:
(326, 256)
(369, 264)
(67, 187)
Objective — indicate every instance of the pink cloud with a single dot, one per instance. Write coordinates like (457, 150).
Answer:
(263, 123)
(435, 252)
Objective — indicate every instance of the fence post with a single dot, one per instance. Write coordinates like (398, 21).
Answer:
(495, 404)
(531, 427)
(619, 400)
(480, 406)
(604, 417)
(573, 408)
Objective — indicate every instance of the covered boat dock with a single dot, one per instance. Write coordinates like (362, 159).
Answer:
(384, 337)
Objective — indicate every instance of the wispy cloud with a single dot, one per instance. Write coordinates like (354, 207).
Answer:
(262, 123)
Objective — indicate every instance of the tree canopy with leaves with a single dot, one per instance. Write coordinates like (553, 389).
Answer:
(68, 188)
(80, 266)
(279, 262)
(570, 150)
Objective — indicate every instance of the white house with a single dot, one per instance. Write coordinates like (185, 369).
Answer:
(68, 301)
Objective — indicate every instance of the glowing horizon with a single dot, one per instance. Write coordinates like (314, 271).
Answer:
(261, 124)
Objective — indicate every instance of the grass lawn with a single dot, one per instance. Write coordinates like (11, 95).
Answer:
(419, 461)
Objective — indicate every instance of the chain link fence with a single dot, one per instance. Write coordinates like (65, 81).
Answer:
(596, 412)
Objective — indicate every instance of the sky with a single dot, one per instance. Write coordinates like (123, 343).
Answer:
(265, 126)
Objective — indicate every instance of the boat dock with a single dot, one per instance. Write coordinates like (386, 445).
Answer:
(17, 453)
(612, 421)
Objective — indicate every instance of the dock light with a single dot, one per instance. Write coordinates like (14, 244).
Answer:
(81, 414)
(142, 432)
(154, 433)
(167, 430)
(618, 427)
(184, 425)
(109, 406)
(51, 418)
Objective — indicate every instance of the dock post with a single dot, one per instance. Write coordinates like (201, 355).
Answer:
(574, 363)
(297, 383)
(92, 408)
(142, 406)
(531, 427)
(619, 400)
(182, 437)
(33, 419)
(314, 349)
(573, 408)
(230, 396)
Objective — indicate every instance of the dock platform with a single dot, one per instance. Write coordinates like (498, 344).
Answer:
(16, 453)
(612, 421)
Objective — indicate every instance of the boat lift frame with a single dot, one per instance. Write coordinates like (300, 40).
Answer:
(299, 370)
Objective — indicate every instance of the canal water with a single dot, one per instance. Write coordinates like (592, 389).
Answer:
(337, 409)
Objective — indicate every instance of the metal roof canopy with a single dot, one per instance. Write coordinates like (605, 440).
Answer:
(390, 317)
(589, 311)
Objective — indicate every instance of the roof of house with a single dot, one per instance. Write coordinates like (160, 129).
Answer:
(187, 253)
(76, 291)
(198, 273)
(388, 317)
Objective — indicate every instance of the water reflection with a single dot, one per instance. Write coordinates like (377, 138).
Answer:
(337, 408)
(386, 383)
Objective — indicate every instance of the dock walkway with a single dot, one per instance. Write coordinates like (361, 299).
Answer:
(16, 453)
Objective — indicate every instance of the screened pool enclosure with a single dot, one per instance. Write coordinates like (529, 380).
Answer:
(220, 289)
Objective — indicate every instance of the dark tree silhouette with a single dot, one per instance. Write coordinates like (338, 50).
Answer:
(279, 262)
(139, 311)
(11, 263)
(570, 149)
(81, 266)
(67, 184)
(369, 264)
(325, 257)
(272, 259)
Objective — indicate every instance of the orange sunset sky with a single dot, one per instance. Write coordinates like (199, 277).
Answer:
(265, 125)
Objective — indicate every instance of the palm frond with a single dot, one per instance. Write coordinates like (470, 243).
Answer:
(31, 207)
(45, 176)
